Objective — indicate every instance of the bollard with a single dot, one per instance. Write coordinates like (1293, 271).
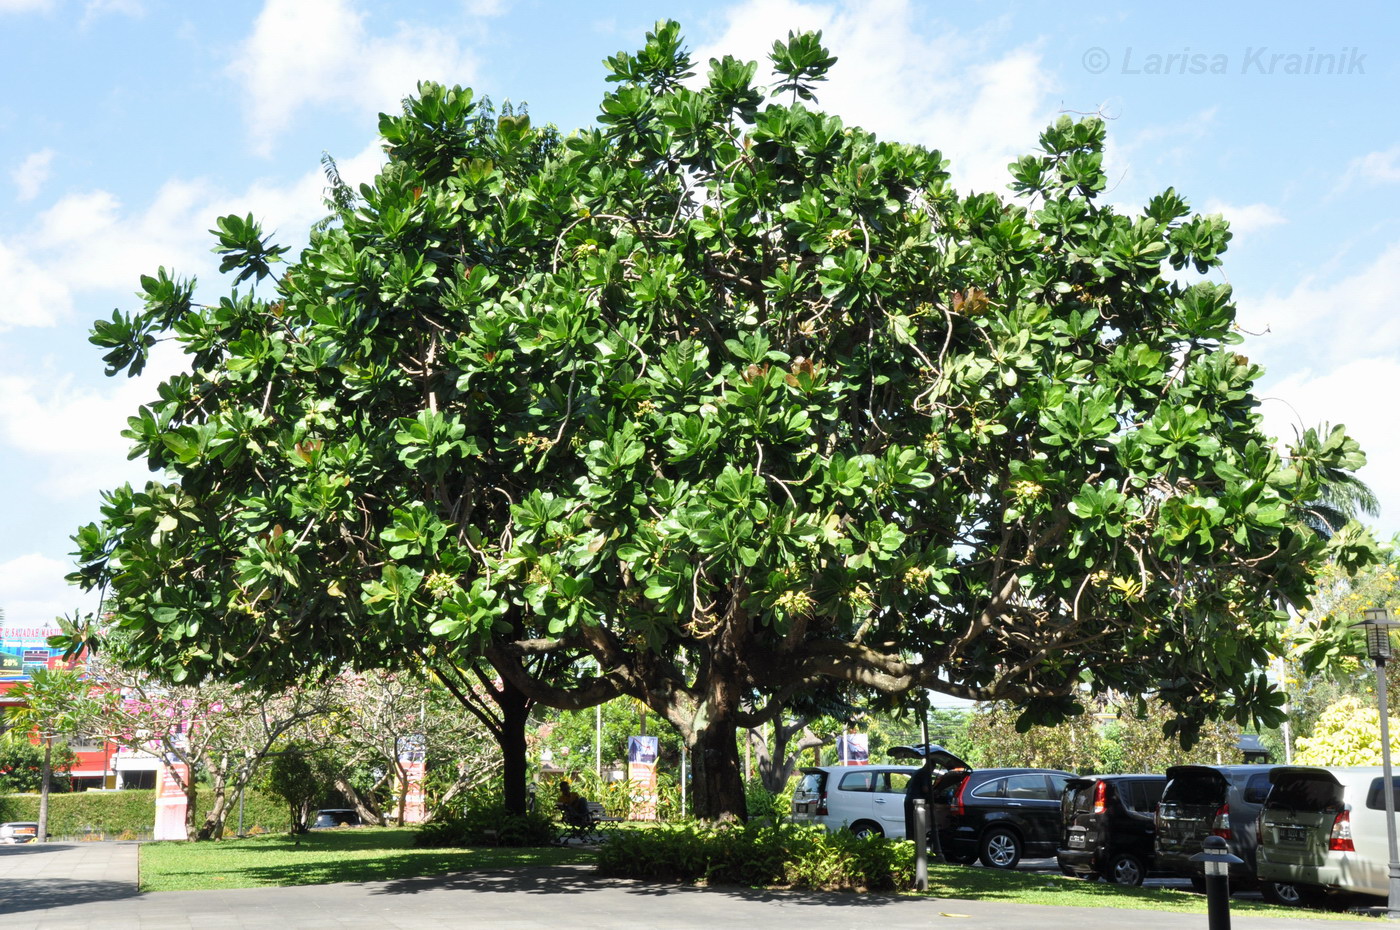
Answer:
(1215, 859)
(920, 845)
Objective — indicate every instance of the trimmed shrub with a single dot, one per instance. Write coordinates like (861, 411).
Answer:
(262, 812)
(84, 813)
(488, 826)
(130, 814)
(781, 854)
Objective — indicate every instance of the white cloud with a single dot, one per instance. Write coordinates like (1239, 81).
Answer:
(1375, 167)
(31, 174)
(40, 282)
(909, 79)
(1246, 218)
(1354, 393)
(66, 434)
(24, 6)
(29, 295)
(1333, 321)
(33, 591)
(484, 8)
(318, 52)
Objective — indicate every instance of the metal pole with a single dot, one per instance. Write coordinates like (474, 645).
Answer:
(920, 844)
(598, 740)
(683, 807)
(1393, 904)
(1217, 901)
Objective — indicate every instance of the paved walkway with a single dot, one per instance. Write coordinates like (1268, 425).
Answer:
(93, 887)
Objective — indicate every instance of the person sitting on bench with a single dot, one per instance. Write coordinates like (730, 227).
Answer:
(572, 803)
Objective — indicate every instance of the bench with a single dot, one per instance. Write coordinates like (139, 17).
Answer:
(588, 828)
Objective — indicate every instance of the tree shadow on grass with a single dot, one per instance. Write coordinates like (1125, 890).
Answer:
(321, 867)
(581, 879)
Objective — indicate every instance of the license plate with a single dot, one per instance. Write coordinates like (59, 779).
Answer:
(1293, 834)
(1076, 839)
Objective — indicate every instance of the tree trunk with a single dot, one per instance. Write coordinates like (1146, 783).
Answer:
(45, 775)
(715, 779)
(213, 826)
(515, 713)
(191, 795)
(368, 813)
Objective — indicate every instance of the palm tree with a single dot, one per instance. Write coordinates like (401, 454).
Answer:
(1342, 496)
(56, 702)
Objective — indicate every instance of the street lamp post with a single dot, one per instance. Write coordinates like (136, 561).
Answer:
(1378, 626)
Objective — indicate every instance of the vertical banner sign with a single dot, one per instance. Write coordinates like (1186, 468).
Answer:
(854, 748)
(171, 801)
(641, 775)
(412, 756)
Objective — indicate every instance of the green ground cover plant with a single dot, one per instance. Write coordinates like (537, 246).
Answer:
(323, 857)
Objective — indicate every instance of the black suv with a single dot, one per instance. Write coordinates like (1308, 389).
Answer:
(998, 815)
(1206, 800)
(1107, 829)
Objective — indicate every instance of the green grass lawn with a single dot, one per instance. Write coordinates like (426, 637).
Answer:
(953, 881)
(364, 854)
(372, 854)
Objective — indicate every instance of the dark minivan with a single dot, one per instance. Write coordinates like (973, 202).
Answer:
(1107, 828)
(998, 815)
(1210, 800)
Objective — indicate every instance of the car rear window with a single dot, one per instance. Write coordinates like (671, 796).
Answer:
(1081, 795)
(947, 785)
(1306, 793)
(1203, 788)
(1375, 798)
(812, 783)
(1141, 795)
(857, 781)
(896, 782)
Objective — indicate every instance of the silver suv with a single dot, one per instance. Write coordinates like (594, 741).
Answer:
(1322, 831)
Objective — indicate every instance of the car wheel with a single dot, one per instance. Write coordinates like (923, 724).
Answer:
(865, 829)
(1126, 869)
(1000, 848)
(1289, 894)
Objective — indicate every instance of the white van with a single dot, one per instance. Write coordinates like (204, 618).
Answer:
(866, 799)
(1322, 830)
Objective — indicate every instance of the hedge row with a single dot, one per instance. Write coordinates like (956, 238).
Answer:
(109, 813)
(131, 814)
(758, 855)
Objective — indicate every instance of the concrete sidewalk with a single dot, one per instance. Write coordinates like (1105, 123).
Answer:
(39, 884)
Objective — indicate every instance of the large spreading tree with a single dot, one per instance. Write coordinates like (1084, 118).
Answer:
(731, 398)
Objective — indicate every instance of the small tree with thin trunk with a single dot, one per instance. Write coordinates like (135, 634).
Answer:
(57, 702)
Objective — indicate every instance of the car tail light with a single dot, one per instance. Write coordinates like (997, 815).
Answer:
(1221, 825)
(1100, 803)
(821, 805)
(957, 808)
(1340, 840)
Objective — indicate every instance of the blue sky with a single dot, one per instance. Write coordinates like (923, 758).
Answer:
(129, 125)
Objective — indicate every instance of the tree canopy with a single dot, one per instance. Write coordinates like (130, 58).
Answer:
(735, 399)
